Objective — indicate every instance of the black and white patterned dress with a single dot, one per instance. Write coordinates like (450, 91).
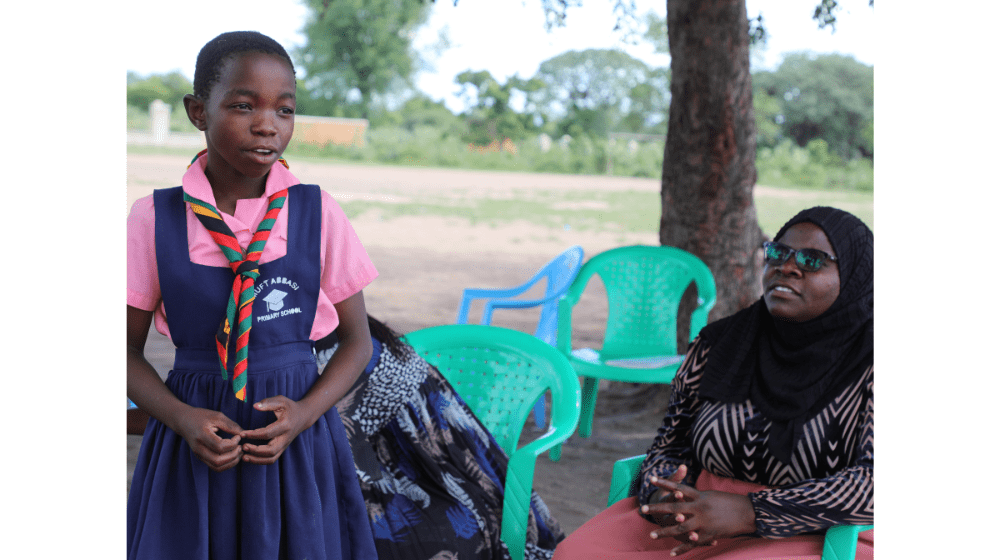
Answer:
(430, 473)
(829, 481)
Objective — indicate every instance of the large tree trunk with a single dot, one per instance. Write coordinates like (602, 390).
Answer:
(708, 168)
(708, 164)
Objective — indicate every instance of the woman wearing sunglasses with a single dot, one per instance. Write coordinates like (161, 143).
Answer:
(768, 437)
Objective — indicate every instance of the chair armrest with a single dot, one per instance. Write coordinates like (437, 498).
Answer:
(551, 438)
(565, 417)
(699, 317)
(490, 306)
(564, 330)
(623, 477)
(841, 541)
(517, 501)
(470, 294)
(519, 480)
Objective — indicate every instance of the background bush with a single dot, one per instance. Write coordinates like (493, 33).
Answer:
(785, 165)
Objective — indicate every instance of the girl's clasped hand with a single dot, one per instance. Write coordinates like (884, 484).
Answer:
(696, 518)
(291, 420)
(204, 431)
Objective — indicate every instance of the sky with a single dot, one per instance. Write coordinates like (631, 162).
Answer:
(479, 33)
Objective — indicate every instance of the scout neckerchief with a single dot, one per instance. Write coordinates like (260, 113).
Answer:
(244, 265)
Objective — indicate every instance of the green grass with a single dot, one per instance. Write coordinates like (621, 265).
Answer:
(577, 210)
(622, 211)
(774, 210)
(161, 150)
(584, 210)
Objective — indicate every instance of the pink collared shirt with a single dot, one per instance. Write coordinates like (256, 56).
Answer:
(344, 263)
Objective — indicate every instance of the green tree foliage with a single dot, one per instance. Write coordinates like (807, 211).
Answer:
(767, 113)
(421, 112)
(593, 91)
(356, 49)
(827, 96)
(807, 72)
(491, 117)
(656, 32)
(647, 104)
(825, 13)
(169, 88)
(142, 94)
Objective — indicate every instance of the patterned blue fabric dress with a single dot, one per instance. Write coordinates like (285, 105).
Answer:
(431, 474)
(307, 504)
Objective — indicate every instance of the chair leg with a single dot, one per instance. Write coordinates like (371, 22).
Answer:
(588, 403)
(555, 453)
(539, 412)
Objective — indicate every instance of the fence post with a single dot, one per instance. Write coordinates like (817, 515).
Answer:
(609, 169)
(159, 118)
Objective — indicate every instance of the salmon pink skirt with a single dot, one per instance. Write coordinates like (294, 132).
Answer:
(620, 533)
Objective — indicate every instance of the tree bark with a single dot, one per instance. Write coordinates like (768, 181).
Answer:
(708, 165)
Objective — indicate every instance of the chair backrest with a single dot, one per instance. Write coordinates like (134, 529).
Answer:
(499, 373)
(559, 273)
(644, 286)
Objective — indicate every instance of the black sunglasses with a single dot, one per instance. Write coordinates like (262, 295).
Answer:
(808, 260)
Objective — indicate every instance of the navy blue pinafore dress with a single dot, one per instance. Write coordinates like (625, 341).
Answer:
(306, 505)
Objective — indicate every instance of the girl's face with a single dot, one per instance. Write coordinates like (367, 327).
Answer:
(248, 117)
(793, 294)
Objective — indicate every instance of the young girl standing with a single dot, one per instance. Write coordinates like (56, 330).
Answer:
(242, 267)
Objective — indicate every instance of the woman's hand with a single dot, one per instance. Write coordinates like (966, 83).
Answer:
(666, 496)
(292, 420)
(701, 517)
(200, 428)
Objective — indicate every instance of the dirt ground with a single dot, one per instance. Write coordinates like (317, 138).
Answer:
(424, 264)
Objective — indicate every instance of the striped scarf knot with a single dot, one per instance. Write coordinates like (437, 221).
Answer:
(248, 268)
(239, 309)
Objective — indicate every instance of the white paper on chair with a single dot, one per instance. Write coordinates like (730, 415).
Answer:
(653, 362)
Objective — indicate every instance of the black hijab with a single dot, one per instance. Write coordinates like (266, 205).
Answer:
(791, 371)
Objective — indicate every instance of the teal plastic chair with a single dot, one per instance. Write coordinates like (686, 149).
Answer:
(644, 286)
(500, 373)
(558, 274)
(840, 542)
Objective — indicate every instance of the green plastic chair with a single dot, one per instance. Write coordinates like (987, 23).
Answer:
(644, 285)
(500, 373)
(840, 542)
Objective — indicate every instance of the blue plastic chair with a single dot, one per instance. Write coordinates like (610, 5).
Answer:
(840, 542)
(559, 273)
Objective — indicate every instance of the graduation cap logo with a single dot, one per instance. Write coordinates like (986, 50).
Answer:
(274, 300)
